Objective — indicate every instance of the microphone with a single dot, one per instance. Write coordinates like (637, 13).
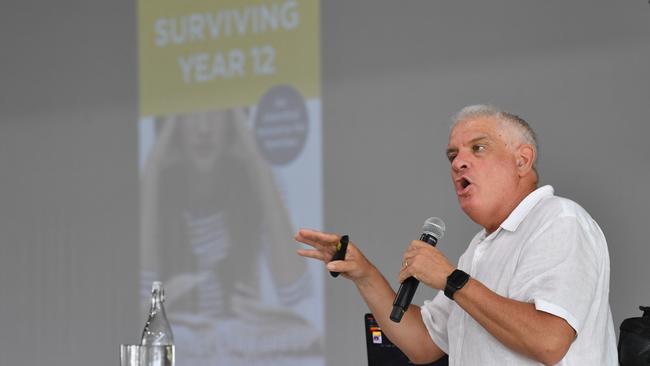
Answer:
(432, 230)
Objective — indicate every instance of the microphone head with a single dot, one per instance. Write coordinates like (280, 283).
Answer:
(434, 227)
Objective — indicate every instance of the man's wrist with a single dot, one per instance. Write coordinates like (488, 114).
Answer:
(372, 276)
(455, 281)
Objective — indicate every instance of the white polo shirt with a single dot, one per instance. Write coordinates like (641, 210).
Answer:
(549, 252)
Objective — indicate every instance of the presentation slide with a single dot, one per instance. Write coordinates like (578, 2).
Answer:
(230, 167)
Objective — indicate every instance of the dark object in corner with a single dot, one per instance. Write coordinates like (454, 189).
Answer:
(634, 341)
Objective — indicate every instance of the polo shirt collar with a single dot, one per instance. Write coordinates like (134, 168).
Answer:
(523, 208)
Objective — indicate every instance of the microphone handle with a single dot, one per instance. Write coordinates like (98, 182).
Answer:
(408, 287)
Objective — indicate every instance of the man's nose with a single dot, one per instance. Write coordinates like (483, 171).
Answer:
(459, 163)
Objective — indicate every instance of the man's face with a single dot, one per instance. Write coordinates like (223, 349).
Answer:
(483, 169)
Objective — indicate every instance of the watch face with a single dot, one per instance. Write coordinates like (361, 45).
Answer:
(456, 280)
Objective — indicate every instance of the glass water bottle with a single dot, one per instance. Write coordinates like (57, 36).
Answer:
(157, 331)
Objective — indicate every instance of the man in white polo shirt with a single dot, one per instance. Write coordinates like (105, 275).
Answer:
(532, 287)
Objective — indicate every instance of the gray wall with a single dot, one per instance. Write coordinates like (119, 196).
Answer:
(393, 73)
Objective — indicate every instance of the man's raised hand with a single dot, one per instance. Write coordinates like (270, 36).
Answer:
(355, 266)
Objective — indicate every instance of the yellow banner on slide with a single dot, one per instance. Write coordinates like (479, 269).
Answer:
(201, 54)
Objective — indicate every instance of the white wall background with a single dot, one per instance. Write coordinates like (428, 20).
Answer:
(393, 74)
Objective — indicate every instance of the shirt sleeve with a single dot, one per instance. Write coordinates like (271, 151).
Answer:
(435, 314)
(559, 269)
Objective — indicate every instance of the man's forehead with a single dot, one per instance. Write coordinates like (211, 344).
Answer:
(475, 130)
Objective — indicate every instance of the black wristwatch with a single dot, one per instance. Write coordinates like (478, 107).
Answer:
(456, 280)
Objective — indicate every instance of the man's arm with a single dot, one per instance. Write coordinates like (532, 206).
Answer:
(410, 335)
(518, 325)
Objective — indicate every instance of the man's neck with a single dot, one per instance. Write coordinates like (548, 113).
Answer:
(507, 209)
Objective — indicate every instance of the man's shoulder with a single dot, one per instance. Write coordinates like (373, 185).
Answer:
(557, 206)
(559, 213)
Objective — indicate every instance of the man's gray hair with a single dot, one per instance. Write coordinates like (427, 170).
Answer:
(523, 129)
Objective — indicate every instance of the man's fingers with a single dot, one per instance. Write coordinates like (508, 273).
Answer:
(407, 258)
(316, 238)
(311, 253)
(416, 244)
(341, 266)
(404, 274)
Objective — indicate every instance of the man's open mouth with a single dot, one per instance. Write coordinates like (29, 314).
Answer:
(464, 182)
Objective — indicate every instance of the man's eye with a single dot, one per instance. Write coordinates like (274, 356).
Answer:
(478, 148)
(451, 157)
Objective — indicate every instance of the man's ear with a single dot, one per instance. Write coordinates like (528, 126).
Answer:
(525, 159)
